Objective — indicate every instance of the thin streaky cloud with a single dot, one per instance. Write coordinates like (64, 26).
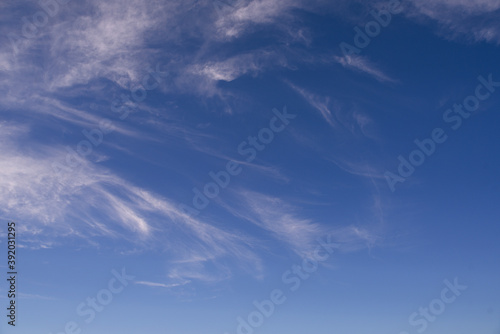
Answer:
(364, 65)
(160, 285)
(322, 104)
(474, 21)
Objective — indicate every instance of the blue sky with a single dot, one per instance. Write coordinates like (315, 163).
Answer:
(179, 163)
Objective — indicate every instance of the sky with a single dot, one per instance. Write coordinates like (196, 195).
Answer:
(263, 166)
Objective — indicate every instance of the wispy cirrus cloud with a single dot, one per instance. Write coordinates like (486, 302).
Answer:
(92, 42)
(358, 168)
(474, 21)
(355, 129)
(364, 65)
(233, 67)
(160, 285)
(247, 14)
(322, 104)
(101, 50)
(348, 120)
(282, 220)
(90, 201)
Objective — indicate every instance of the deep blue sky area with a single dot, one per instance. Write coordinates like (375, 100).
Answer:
(241, 167)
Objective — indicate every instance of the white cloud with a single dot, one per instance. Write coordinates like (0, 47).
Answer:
(474, 20)
(90, 201)
(354, 129)
(357, 123)
(300, 234)
(433, 7)
(160, 285)
(107, 41)
(354, 167)
(94, 41)
(202, 76)
(322, 104)
(230, 68)
(364, 65)
(276, 216)
(238, 19)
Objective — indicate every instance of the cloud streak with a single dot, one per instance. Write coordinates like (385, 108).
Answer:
(91, 202)
(475, 21)
(160, 285)
(282, 221)
(363, 65)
